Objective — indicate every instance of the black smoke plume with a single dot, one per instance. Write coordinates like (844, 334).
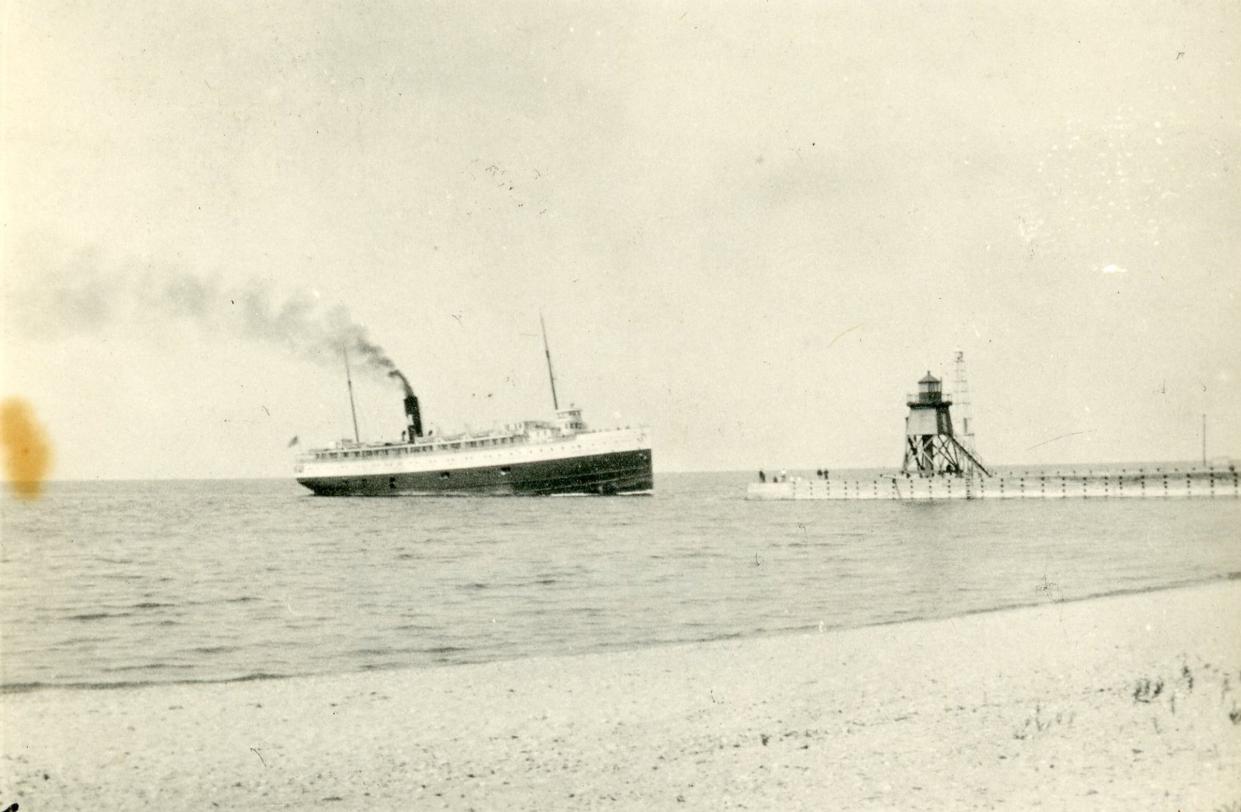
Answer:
(396, 373)
(50, 296)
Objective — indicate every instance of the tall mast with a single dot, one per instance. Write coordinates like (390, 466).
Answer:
(352, 409)
(551, 376)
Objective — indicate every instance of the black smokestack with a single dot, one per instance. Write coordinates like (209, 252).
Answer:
(412, 414)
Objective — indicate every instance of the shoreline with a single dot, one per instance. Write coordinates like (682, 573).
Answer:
(19, 689)
(1131, 699)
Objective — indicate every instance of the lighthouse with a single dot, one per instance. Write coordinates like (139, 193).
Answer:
(930, 447)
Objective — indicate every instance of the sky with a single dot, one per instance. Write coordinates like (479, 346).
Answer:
(751, 227)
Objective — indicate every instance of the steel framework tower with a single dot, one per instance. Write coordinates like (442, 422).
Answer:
(931, 448)
(961, 396)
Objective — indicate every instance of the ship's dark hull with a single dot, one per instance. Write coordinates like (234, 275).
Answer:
(616, 472)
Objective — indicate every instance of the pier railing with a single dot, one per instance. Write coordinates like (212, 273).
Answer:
(1159, 482)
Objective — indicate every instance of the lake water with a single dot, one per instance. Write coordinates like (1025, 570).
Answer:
(120, 583)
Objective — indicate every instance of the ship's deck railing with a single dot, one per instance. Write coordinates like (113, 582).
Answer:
(455, 442)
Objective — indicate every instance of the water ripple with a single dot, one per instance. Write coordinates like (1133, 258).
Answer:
(127, 583)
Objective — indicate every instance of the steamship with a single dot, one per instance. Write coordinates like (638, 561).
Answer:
(530, 457)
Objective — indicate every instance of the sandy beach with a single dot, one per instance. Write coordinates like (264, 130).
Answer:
(1122, 702)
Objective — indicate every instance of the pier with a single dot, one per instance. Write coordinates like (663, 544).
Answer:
(1171, 483)
(938, 465)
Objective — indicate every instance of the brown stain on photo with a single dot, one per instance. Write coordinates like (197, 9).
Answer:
(27, 449)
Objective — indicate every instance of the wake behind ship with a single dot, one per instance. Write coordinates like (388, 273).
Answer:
(530, 458)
